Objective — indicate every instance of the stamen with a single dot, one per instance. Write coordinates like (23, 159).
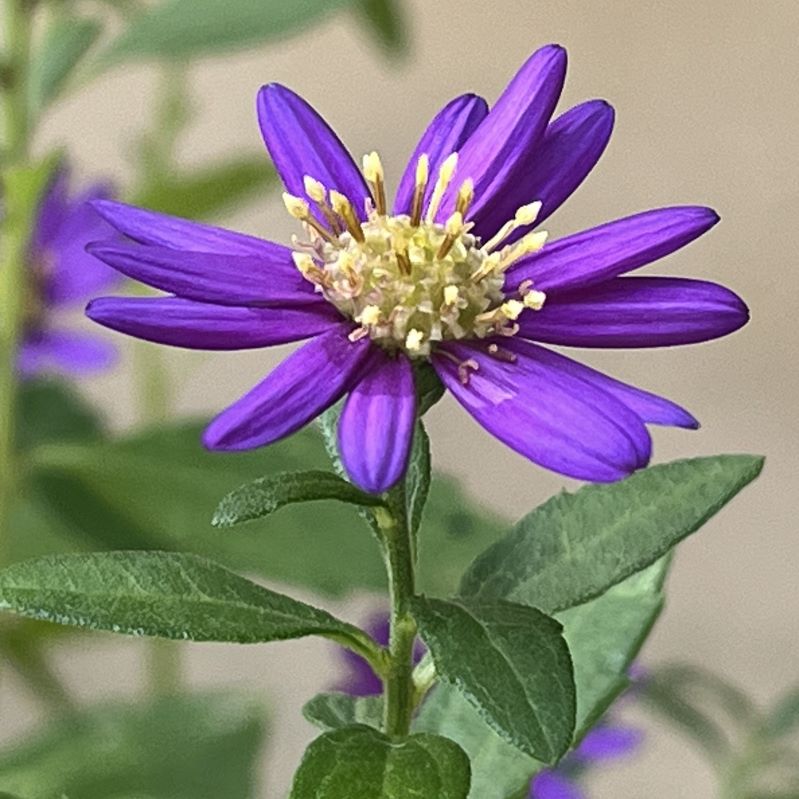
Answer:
(534, 300)
(413, 341)
(317, 192)
(512, 309)
(300, 209)
(309, 269)
(454, 228)
(369, 316)
(343, 207)
(445, 174)
(465, 196)
(500, 354)
(490, 264)
(451, 295)
(463, 370)
(422, 177)
(525, 215)
(527, 245)
(373, 172)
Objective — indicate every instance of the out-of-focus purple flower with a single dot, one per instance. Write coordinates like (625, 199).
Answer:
(62, 275)
(453, 274)
(360, 680)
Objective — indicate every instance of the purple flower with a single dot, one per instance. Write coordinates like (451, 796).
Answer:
(360, 680)
(606, 742)
(454, 274)
(61, 274)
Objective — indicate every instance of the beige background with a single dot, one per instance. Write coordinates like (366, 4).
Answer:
(706, 98)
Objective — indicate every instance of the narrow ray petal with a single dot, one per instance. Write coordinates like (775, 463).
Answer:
(202, 326)
(549, 784)
(301, 143)
(308, 382)
(151, 227)
(376, 425)
(638, 312)
(545, 413)
(511, 131)
(604, 252)
(650, 407)
(608, 742)
(65, 351)
(446, 134)
(212, 277)
(570, 149)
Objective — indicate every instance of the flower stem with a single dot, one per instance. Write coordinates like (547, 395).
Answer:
(398, 680)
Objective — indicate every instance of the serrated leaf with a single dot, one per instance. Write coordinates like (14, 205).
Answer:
(179, 748)
(180, 29)
(183, 597)
(604, 636)
(387, 20)
(576, 546)
(361, 763)
(511, 662)
(268, 494)
(334, 710)
(66, 41)
(166, 483)
(209, 191)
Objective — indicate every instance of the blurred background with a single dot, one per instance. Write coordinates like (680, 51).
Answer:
(705, 95)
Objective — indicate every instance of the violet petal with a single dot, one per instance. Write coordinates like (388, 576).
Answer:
(548, 784)
(301, 143)
(446, 134)
(196, 325)
(544, 412)
(65, 352)
(376, 426)
(212, 277)
(604, 252)
(637, 312)
(305, 384)
(607, 742)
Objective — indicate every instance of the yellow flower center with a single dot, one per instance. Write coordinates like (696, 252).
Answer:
(407, 280)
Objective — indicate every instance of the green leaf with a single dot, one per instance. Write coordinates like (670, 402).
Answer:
(604, 636)
(417, 478)
(52, 411)
(498, 768)
(181, 29)
(387, 20)
(210, 191)
(268, 494)
(182, 597)
(178, 748)
(784, 717)
(576, 546)
(66, 41)
(511, 662)
(333, 710)
(168, 485)
(362, 763)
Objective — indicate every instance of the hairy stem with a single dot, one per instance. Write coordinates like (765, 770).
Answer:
(400, 693)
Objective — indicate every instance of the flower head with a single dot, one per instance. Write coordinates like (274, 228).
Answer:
(454, 273)
(61, 274)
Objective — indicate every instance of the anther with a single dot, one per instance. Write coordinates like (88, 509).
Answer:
(465, 196)
(413, 341)
(317, 192)
(343, 207)
(422, 177)
(525, 215)
(451, 295)
(309, 269)
(453, 228)
(300, 209)
(370, 315)
(445, 174)
(373, 172)
(534, 300)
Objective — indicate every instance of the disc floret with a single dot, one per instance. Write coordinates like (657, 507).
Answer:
(407, 280)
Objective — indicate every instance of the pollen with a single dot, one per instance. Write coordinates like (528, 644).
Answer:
(409, 281)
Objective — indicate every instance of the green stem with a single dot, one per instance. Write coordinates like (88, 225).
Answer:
(399, 687)
(17, 37)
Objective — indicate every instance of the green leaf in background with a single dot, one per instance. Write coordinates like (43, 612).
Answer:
(178, 748)
(361, 763)
(209, 191)
(604, 636)
(784, 717)
(180, 29)
(169, 595)
(166, 484)
(66, 41)
(511, 662)
(576, 546)
(386, 18)
(53, 411)
(333, 710)
(268, 494)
